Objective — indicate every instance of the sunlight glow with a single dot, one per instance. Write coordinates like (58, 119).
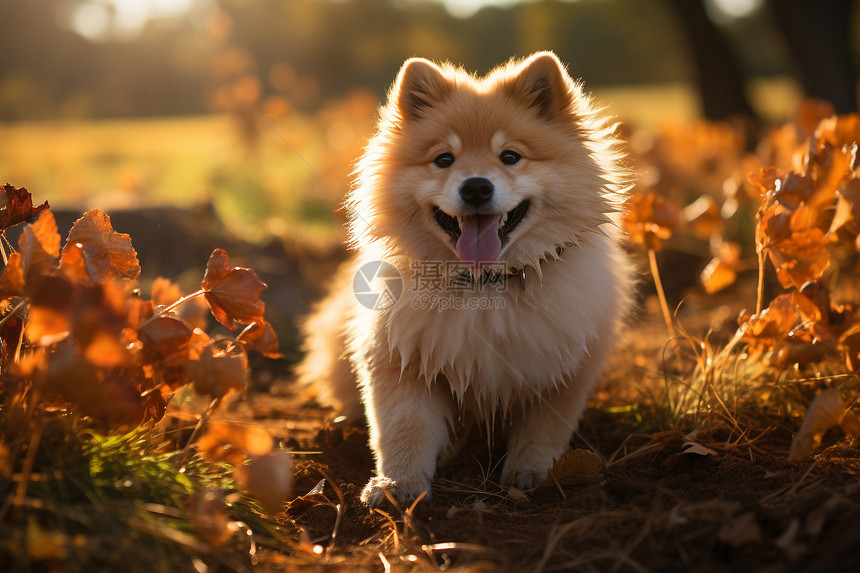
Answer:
(465, 8)
(99, 19)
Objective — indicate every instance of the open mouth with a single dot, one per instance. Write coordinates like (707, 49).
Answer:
(479, 238)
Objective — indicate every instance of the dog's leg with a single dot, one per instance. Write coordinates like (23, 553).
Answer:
(544, 430)
(409, 428)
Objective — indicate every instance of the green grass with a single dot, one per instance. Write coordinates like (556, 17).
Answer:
(107, 503)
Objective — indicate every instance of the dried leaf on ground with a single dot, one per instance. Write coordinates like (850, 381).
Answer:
(233, 293)
(576, 467)
(690, 447)
(825, 411)
(741, 530)
(267, 479)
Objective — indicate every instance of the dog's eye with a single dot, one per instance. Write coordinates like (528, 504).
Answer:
(444, 160)
(510, 157)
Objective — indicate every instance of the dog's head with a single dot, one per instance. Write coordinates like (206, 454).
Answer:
(505, 168)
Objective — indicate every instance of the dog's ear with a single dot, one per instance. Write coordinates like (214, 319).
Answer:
(542, 83)
(419, 84)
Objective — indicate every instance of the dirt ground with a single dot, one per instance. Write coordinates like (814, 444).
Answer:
(651, 508)
(648, 505)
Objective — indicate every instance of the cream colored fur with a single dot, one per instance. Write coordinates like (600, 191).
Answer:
(530, 355)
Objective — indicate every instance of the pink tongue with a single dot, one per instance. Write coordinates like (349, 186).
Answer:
(479, 240)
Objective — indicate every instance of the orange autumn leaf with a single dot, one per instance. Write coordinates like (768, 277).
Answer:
(165, 340)
(847, 214)
(49, 316)
(164, 292)
(267, 479)
(850, 344)
(825, 411)
(39, 248)
(233, 293)
(224, 441)
(766, 181)
(649, 219)
(260, 337)
(717, 275)
(773, 324)
(812, 112)
(721, 271)
(16, 206)
(217, 372)
(12, 280)
(111, 398)
(106, 254)
(703, 217)
(797, 250)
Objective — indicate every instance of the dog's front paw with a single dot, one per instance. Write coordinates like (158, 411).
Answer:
(524, 472)
(403, 491)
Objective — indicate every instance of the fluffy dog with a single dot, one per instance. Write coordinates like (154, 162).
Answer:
(491, 200)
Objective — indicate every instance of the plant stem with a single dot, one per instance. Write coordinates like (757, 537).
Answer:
(759, 295)
(655, 273)
(200, 423)
(170, 307)
(13, 312)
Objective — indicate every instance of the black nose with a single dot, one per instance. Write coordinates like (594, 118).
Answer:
(476, 190)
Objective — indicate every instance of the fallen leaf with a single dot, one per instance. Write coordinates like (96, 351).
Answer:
(267, 479)
(233, 293)
(741, 530)
(576, 467)
(697, 448)
(824, 412)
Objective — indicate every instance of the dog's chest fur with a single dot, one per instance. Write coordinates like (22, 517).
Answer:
(523, 343)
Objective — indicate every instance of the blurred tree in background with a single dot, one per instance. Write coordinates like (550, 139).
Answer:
(62, 58)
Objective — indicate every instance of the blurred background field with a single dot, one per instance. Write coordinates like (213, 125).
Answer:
(261, 107)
